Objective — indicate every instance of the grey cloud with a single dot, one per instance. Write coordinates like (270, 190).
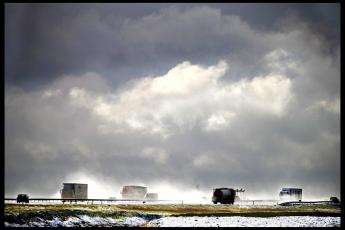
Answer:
(44, 41)
(103, 51)
(259, 145)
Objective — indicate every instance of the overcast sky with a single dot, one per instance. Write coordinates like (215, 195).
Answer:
(177, 97)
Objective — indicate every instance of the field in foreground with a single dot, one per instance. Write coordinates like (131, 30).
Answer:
(169, 215)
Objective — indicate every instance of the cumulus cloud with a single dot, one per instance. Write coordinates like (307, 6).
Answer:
(161, 104)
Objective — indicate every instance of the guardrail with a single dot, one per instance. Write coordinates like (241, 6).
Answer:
(71, 200)
(101, 201)
(252, 202)
(292, 203)
(93, 200)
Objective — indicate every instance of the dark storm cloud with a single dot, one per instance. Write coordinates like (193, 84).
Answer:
(227, 100)
(44, 41)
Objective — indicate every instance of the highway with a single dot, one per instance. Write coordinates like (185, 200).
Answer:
(37, 200)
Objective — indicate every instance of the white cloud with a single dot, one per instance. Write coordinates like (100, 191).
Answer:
(186, 78)
(267, 94)
(186, 96)
(103, 109)
(271, 93)
(219, 120)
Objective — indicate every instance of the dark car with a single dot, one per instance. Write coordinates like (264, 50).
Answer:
(223, 195)
(334, 200)
(22, 198)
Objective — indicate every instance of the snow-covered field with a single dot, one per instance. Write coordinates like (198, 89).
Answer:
(234, 221)
(82, 221)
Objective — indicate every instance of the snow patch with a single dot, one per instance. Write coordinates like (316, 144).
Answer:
(236, 221)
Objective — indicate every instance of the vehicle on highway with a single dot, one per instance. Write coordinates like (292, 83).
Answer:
(22, 198)
(223, 195)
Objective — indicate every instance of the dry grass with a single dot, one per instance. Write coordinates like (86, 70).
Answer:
(229, 210)
(120, 210)
(63, 210)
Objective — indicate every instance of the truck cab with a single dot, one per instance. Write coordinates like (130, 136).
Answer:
(223, 195)
(22, 198)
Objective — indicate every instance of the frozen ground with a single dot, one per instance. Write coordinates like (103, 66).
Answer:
(82, 221)
(234, 221)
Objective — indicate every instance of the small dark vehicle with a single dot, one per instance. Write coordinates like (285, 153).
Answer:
(223, 195)
(334, 200)
(22, 198)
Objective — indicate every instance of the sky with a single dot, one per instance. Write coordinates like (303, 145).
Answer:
(181, 98)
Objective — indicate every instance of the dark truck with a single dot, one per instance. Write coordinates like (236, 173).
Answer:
(22, 198)
(223, 195)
